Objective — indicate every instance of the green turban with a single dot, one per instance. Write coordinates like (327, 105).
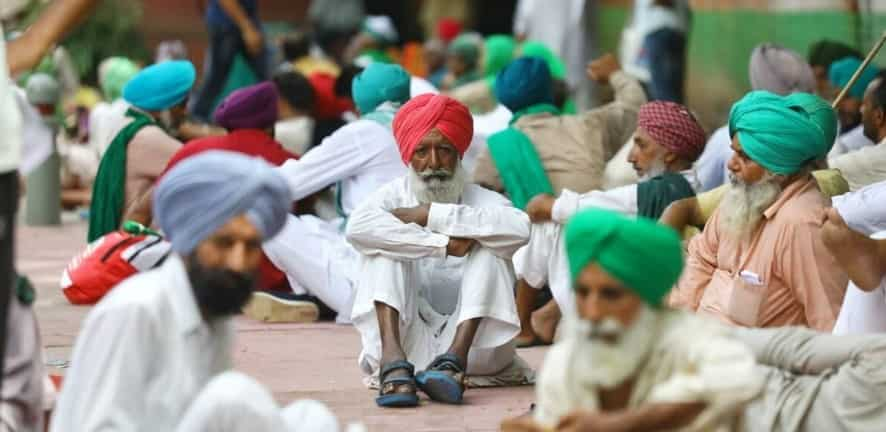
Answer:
(540, 50)
(773, 132)
(498, 51)
(645, 256)
(114, 73)
(841, 71)
(465, 47)
(820, 112)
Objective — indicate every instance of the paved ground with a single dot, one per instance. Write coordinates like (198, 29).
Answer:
(317, 361)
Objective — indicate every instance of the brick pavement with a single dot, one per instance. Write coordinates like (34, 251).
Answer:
(317, 361)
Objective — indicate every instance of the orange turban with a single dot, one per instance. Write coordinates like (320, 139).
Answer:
(432, 111)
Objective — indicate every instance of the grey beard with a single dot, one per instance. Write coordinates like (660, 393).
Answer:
(438, 186)
(656, 169)
(743, 205)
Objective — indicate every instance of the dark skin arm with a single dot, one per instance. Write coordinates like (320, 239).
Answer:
(418, 215)
(252, 37)
(658, 416)
(57, 19)
(141, 210)
(540, 207)
(682, 213)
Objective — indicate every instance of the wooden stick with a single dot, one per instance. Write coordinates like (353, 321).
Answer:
(864, 64)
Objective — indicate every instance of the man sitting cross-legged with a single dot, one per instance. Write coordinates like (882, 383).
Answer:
(431, 246)
(625, 362)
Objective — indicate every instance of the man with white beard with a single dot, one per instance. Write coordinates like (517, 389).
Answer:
(760, 261)
(434, 289)
(667, 141)
(626, 362)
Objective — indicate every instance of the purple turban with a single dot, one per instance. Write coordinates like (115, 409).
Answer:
(253, 107)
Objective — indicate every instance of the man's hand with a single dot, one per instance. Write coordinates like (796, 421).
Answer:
(459, 247)
(253, 40)
(602, 68)
(521, 424)
(539, 208)
(581, 421)
(417, 215)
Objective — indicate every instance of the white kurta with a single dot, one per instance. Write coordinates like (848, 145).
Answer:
(362, 156)
(711, 165)
(10, 118)
(544, 260)
(865, 212)
(405, 266)
(862, 167)
(692, 360)
(850, 141)
(104, 124)
(142, 356)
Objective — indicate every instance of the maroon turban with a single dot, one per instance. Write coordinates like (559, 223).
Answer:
(253, 107)
(432, 111)
(673, 127)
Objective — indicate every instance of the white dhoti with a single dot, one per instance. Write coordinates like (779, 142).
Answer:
(484, 290)
(235, 402)
(316, 259)
(544, 260)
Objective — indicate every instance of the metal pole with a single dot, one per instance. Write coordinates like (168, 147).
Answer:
(43, 200)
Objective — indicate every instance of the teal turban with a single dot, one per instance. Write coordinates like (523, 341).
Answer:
(841, 70)
(498, 51)
(204, 192)
(114, 73)
(523, 83)
(380, 83)
(465, 47)
(645, 256)
(160, 86)
(820, 112)
(773, 132)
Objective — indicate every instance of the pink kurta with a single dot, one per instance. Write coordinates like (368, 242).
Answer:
(783, 275)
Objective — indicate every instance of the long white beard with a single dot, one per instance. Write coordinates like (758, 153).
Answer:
(743, 205)
(656, 169)
(429, 188)
(598, 363)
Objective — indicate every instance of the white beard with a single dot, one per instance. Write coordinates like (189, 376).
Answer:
(743, 205)
(657, 168)
(429, 189)
(596, 363)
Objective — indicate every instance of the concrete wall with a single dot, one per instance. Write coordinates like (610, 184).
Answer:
(725, 31)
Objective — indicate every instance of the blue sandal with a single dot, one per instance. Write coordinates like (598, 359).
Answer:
(387, 395)
(439, 385)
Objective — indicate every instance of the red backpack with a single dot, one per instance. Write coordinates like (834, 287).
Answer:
(109, 260)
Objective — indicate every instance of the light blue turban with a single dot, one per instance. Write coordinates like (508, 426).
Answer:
(204, 192)
(380, 83)
(841, 70)
(777, 133)
(160, 86)
(523, 83)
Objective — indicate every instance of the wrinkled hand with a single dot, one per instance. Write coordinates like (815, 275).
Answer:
(417, 215)
(602, 68)
(253, 40)
(540, 207)
(521, 424)
(581, 421)
(459, 247)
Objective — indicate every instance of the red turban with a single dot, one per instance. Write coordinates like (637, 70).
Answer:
(673, 127)
(432, 111)
(448, 29)
(327, 104)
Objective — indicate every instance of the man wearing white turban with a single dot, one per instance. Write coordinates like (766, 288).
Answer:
(149, 350)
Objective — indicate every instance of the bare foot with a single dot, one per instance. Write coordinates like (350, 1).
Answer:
(856, 253)
(545, 321)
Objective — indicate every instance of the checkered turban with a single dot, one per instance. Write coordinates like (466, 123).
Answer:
(673, 127)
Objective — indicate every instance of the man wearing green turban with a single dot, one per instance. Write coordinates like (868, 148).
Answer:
(622, 355)
(462, 61)
(839, 74)
(867, 165)
(760, 261)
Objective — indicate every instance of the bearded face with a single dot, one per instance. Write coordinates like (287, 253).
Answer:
(440, 185)
(743, 205)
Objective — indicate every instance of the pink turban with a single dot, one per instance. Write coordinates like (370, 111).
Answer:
(432, 111)
(673, 127)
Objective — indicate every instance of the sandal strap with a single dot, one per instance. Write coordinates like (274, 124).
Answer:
(447, 361)
(395, 365)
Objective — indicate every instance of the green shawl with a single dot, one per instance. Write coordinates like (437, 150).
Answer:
(109, 190)
(656, 194)
(517, 161)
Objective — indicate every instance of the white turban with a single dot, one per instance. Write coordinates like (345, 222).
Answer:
(206, 191)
